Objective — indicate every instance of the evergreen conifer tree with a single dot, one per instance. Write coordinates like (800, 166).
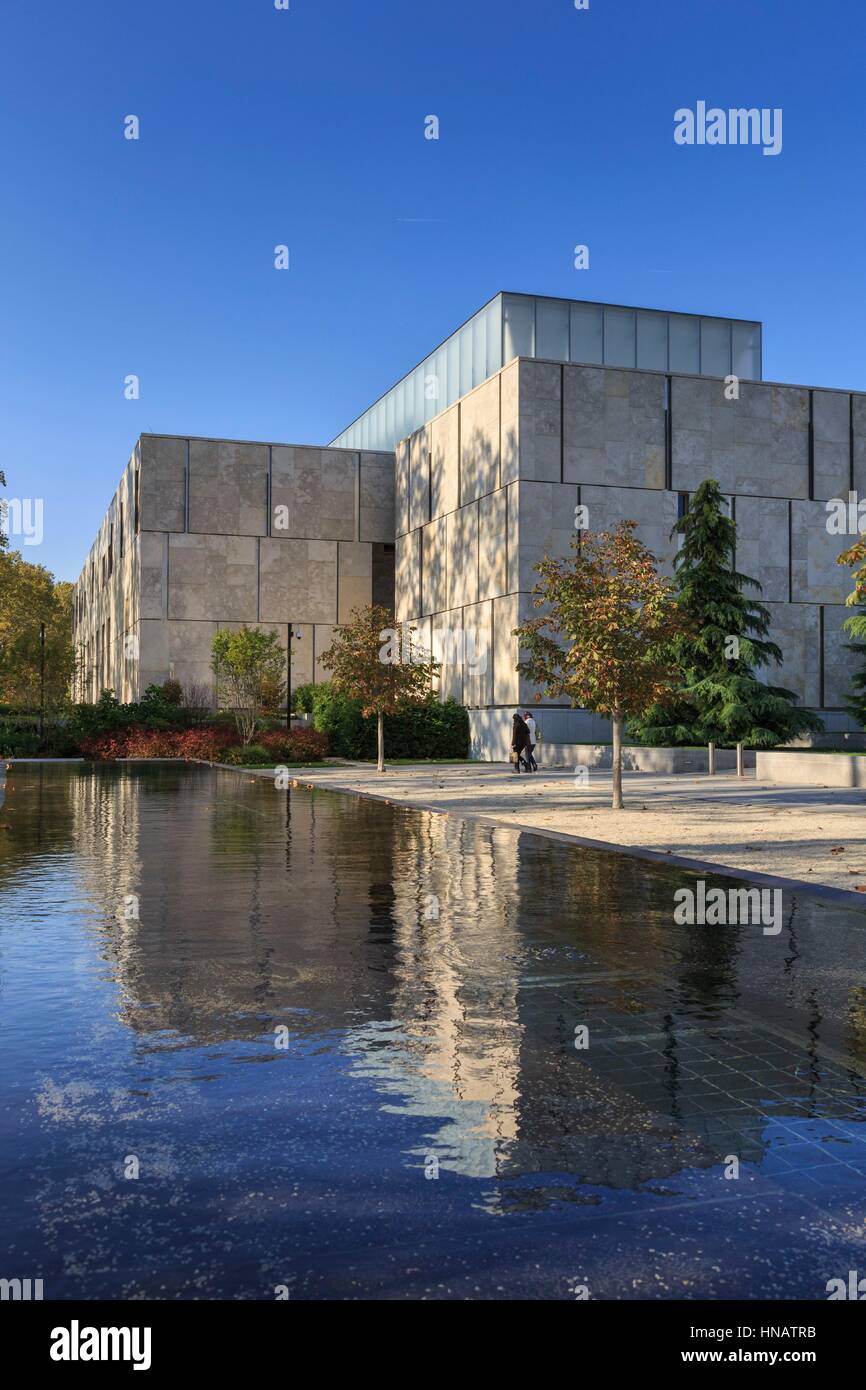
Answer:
(721, 700)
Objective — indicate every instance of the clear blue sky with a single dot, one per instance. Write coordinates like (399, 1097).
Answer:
(305, 127)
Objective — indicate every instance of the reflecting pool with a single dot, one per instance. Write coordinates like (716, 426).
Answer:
(258, 1044)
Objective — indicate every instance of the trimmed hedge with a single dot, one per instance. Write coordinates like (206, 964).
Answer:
(432, 729)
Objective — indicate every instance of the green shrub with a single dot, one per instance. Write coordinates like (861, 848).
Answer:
(19, 743)
(302, 698)
(58, 742)
(432, 729)
(158, 708)
(251, 755)
(20, 738)
(109, 716)
(340, 718)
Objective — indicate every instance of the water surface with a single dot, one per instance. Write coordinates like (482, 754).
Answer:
(164, 930)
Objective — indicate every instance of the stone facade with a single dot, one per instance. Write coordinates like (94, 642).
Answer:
(491, 485)
(203, 534)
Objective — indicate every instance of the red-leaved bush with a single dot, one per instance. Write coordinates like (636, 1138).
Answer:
(296, 745)
(207, 742)
(105, 747)
(151, 743)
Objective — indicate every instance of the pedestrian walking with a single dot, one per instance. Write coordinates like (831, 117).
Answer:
(533, 739)
(519, 742)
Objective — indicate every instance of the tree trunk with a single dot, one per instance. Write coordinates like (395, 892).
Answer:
(741, 771)
(616, 802)
(711, 759)
(380, 742)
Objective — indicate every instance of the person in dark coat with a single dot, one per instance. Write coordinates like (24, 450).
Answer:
(520, 743)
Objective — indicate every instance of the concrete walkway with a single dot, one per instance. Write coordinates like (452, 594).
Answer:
(811, 834)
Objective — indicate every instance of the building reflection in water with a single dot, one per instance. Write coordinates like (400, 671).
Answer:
(451, 962)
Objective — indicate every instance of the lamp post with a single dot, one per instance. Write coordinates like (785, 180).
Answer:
(292, 634)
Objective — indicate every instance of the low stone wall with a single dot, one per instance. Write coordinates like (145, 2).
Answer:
(490, 730)
(659, 760)
(576, 738)
(794, 769)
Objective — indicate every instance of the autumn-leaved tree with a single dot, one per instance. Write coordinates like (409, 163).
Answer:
(249, 666)
(29, 597)
(377, 660)
(855, 555)
(609, 616)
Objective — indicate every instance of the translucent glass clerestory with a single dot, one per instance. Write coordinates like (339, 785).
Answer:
(559, 330)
